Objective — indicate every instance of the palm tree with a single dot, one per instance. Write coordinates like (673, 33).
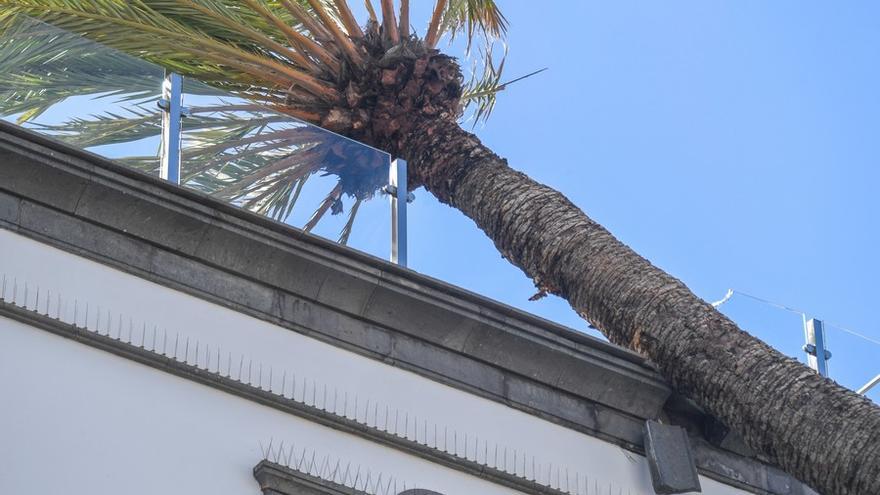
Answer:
(380, 83)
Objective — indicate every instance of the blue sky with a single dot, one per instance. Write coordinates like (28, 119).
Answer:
(733, 144)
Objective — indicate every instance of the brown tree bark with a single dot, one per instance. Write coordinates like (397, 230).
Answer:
(816, 430)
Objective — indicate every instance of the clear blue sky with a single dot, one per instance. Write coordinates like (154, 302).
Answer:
(734, 144)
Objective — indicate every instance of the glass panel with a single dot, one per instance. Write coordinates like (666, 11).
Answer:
(97, 98)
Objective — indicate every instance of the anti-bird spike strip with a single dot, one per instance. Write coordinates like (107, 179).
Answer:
(517, 471)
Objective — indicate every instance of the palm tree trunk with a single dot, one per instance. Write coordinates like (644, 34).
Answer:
(818, 431)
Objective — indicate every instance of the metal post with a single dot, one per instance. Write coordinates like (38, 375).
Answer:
(817, 354)
(398, 192)
(171, 104)
(868, 386)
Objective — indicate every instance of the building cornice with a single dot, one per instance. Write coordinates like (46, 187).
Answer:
(95, 208)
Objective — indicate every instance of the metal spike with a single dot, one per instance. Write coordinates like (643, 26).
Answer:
(37, 302)
(176, 340)
(269, 448)
(345, 476)
(3, 290)
(153, 345)
(164, 340)
(289, 455)
(314, 393)
(375, 414)
(197, 353)
(229, 365)
(406, 425)
(86, 322)
(186, 351)
(98, 320)
(345, 407)
(25, 305)
(57, 309)
(144, 335)
(250, 366)
(109, 322)
(218, 360)
(207, 357)
(324, 401)
(335, 396)
(119, 328)
(284, 384)
(335, 470)
(260, 377)
(270, 378)
(240, 365)
(311, 463)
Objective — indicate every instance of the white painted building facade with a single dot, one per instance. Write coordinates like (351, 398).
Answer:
(147, 354)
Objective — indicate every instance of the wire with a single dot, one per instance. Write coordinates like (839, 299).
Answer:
(731, 292)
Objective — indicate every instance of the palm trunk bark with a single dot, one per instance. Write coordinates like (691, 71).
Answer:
(818, 431)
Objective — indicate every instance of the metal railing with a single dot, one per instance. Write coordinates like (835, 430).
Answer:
(222, 144)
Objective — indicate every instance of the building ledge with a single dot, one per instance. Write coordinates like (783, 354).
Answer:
(95, 208)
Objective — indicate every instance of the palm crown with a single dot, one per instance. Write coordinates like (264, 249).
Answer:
(310, 60)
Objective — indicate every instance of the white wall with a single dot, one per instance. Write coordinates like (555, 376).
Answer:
(76, 418)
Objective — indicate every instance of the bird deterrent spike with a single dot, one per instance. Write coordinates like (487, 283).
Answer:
(280, 452)
(57, 308)
(186, 351)
(289, 455)
(218, 359)
(176, 340)
(345, 476)
(197, 353)
(229, 365)
(240, 365)
(250, 365)
(324, 401)
(75, 306)
(164, 341)
(207, 357)
(260, 377)
(25, 305)
(143, 334)
(37, 302)
(98, 321)
(270, 378)
(335, 396)
(3, 290)
(284, 384)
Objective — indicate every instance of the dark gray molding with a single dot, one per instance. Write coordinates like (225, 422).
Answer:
(92, 207)
(275, 479)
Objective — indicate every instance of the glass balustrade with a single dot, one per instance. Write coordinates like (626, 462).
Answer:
(96, 98)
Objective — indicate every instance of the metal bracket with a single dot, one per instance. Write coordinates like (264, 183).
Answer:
(817, 354)
(397, 191)
(172, 112)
